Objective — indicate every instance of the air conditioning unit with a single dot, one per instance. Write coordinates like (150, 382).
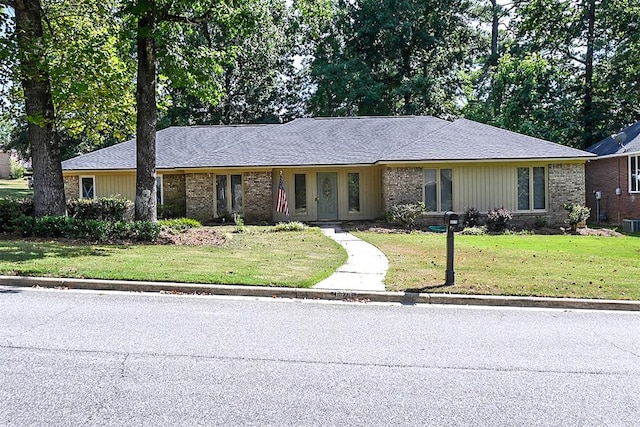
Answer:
(631, 225)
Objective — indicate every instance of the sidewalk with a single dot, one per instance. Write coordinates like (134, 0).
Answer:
(365, 268)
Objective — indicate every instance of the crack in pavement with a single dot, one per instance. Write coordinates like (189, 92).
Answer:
(126, 355)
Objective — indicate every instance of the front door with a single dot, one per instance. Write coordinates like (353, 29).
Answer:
(327, 195)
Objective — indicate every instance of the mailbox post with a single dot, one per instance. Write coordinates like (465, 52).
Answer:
(451, 222)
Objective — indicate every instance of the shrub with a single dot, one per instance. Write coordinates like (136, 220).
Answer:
(239, 223)
(475, 230)
(170, 210)
(540, 222)
(10, 211)
(405, 214)
(577, 214)
(16, 170)
(89, 229)
(102, 209)
(179, 224)
(498, 219)
(471, 217)
(289, 226)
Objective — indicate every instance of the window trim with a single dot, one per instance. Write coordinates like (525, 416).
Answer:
(438, 189)
(80, 192)
(531, 194)
(630, 172)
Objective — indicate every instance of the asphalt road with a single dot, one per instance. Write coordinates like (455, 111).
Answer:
(111, 358)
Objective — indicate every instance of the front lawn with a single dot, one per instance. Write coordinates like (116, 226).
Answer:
(257, 257)
(536, 265)
(17, 188)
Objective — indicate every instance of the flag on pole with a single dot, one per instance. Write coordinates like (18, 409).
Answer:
(282, 205)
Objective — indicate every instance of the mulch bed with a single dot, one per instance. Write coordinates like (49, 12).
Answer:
(193, 237)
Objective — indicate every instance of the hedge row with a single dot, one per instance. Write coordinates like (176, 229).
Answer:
(105, 219)
(88, 229)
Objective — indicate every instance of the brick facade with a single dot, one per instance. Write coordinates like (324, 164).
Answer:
(400, 186)
(72, 187)
(200, 195)
(566, 185)
(605, 175)
(258, 197)
(175, 194)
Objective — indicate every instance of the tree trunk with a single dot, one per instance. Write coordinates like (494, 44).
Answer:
(147, 116)
(48, 184)
(588, 116)
(495, 22)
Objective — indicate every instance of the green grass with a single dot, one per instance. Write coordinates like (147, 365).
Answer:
(293, 259)
(535, 265)
(17, 188)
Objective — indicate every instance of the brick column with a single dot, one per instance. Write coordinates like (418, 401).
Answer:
(401, 186)
(200, 194)
(258, 196)
(566, 185)
(72, 187)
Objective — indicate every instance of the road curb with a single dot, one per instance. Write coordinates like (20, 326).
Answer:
(408, 298)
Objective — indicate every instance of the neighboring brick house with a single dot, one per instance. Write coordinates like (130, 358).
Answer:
(5, 164)
(615, 177)
(343, 169)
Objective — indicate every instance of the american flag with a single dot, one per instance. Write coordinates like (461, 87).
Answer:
(282, 205)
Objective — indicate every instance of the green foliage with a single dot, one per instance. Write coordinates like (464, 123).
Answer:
(498, 219)
(405, 214)
(103, 209)
(471, 217)
(475, 230)
(289, 226)
(388, 58)
(88, 229)
(239, 223)
(179, 224)
(9, 211)
(12, 212)
(16, 170)
(540, 222)
(577, 214)
(170, 210)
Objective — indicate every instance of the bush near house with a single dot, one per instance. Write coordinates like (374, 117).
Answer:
(101, 209)
(577, 214)
(405, 214)
(498, 219)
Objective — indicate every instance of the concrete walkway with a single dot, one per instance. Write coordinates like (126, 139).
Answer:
(365, 268)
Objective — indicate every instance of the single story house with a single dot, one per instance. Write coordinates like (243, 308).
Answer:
(613, 178)
(343, 169)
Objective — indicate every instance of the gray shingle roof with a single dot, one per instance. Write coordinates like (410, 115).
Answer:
(627, 141)
(327, 141)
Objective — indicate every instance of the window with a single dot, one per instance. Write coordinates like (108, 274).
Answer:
(300, 190)
(532, 188)
(159, 192)
(438, 190)
(353, 180)
(228, 194)
(634, 174)
(87, 187)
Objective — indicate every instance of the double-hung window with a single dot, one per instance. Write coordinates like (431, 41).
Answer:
(532, 188)
(438, 190)
(228, 195)
(634, 174)
(87, 187)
